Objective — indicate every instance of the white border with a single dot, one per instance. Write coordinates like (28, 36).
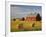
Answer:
(8, 33)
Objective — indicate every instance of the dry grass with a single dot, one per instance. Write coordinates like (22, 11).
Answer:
(27, 26)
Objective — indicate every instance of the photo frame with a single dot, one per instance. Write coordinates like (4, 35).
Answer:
(8, 18)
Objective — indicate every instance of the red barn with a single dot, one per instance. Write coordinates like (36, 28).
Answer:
(32, 18)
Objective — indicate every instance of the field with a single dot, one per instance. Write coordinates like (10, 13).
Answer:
(25, 18)
(18, 25)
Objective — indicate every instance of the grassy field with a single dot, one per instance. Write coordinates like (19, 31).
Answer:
(18, 25)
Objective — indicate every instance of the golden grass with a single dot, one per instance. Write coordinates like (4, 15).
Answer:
(26, 25)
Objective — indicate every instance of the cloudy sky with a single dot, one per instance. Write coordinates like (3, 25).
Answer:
(19, 11)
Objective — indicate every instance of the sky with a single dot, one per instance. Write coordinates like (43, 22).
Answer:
(19, 11)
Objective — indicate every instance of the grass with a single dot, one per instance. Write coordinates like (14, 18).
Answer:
(27, 26)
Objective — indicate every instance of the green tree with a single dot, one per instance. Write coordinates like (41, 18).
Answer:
(14, 19)
(38, 17)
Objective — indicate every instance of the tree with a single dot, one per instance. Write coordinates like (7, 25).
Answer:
(23, 19)
(14, 19)
(38, 17)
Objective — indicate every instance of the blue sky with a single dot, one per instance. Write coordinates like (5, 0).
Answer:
(19, 11)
